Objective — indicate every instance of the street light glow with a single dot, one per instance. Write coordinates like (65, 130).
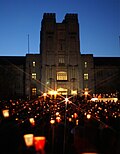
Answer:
(44, 94)
(86, 93)
(88, 116)
(66, 99)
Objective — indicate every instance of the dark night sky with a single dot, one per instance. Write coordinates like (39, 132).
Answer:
(99, 22)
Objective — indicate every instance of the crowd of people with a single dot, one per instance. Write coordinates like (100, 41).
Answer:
(74, 132)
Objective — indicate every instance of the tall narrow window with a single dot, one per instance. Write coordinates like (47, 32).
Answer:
(61, 60)
(34, 91)
(61, 75)
(85, 64)
(86, 76)
(33, 63)
(33, 75)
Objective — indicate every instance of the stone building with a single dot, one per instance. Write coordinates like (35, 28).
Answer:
(60, 65)
(60, 52)
(107, 73)
(12, 76)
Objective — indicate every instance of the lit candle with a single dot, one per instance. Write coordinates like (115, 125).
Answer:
(52, 121)
(75, 115)
(5, 113)
(39, 142)
(58, 119)
(32, 121)
(77, 122)
(28, 139)
(88, 116)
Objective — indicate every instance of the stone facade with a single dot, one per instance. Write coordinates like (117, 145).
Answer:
(12, 77)
(60, 52)
(107, 73)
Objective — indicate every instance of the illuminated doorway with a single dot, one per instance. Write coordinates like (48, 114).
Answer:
(62, 91)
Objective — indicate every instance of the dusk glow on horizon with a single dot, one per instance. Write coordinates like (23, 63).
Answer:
(99, 25)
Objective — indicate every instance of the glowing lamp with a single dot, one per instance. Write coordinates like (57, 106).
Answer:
(55, 93)
(44, 95)
(86, 93)
(5, 113)
(28, 138)
(39, 142)
(51, 93)
(94, 99)
(66, 99)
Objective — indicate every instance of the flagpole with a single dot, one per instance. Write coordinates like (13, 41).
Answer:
(28, 45)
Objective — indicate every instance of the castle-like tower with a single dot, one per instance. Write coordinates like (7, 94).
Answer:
(60, 66)
(60, 53)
